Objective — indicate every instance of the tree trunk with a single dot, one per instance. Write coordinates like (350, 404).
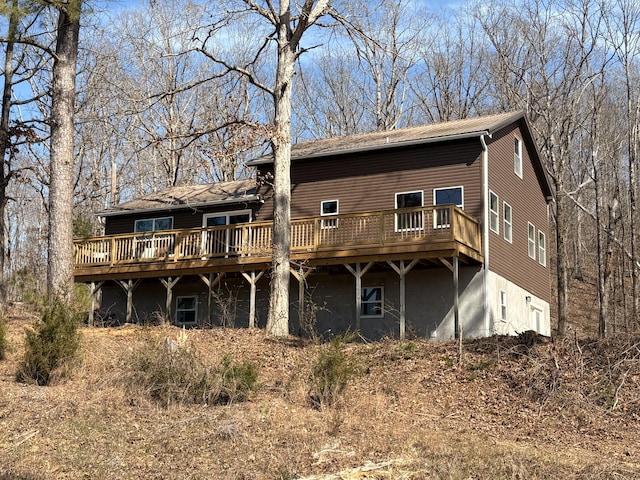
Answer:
(5, 138)
(60, 264)
(561, 269)
(278, 320)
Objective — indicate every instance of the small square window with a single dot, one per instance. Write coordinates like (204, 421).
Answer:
(542, 249)
(186, 309)
(493, 213)
(532, 241)
(329, 208)
(508, 222)
(372, 302)
(517, 157)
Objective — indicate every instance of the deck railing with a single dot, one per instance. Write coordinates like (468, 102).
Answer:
(371, 229)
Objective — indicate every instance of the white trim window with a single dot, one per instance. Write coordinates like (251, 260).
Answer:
(372, 302)
(494, 225)
(186, 310)
(503, 305)
(446, 196)
(532, 241)
(216, 241)
(409, 221)
(507, 214)
(542, 248)
(329, 208)
(153, 224)
(517, 157)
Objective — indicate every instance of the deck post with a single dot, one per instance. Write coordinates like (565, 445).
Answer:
(94, 290)
(252, 278)
(211, 281)
(402, 272)
(301, 275)
(129, 286)
(456, 313)
(358, 272)
(169, 283)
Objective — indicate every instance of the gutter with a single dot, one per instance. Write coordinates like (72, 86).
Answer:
(485, 235)
(408, 143)
(178, 206)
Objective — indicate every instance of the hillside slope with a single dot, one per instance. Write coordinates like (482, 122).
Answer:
(500, 408)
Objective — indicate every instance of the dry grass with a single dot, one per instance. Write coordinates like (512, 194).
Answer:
(508, 411)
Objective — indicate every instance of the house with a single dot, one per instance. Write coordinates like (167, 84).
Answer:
(434, 231)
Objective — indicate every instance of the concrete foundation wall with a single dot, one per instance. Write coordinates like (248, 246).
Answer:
(332, 305)
(521, 306)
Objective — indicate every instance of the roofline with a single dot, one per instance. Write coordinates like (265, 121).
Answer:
(445, 138)
(247, 198)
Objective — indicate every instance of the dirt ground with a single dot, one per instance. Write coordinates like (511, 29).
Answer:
(512, 408)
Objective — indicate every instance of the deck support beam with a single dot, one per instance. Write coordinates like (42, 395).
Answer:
(94, 291)
(129, 286)
(402, 271)
(454, 266)
(169, 283)
(301, 275)
(252, 278)
(456, 294)
(211, 281)
(358, 272)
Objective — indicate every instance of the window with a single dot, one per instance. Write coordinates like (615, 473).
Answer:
(517, 157)
(508, 222)
(407, 221)
(444, 196)
(329, 207)
(542, 249)
(503, 305)
(186, 309)
(217, 241)
(372, 302)
(532, 241)
(493, 213)
(153, 224)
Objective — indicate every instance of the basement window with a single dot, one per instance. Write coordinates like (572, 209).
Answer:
(372, 302)
(503, 305)
(186, 310)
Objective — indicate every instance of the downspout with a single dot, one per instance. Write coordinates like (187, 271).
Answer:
(485, 235)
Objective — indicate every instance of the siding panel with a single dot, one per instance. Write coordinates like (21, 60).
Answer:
(511, 260)
(370, 180)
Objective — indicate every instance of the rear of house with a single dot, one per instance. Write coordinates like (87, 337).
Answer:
(423, 231)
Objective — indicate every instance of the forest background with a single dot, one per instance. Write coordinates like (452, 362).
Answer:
(157, 106)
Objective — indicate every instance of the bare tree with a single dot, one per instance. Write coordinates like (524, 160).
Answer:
(542, 64)
(289, 24)
(60, 265)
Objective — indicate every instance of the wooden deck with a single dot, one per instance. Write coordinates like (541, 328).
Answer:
(426, 232)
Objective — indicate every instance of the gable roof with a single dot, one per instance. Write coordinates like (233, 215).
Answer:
(189, 196)
(436, 132)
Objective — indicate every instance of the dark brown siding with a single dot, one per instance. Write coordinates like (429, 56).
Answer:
(369, 181)
(511, 260)
(187, 218)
